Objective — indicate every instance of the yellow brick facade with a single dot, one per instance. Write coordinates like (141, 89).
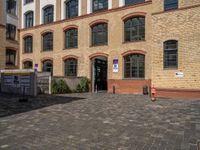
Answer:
(181, 24)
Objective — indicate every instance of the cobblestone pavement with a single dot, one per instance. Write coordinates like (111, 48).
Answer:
(99, 122)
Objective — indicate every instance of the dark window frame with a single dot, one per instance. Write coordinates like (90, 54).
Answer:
(170, 4)
(71, 8)
(11, 31)
(48, 14)
(170, 54)
(71, 38)
(97, 6)
(47, 66)
(28, 65)
(11, 6)
(99, 34)
(47, 41)
(28, 44)
(28, 1)
(133, 2)
(11, 57)
(135, 68)
(29, 19)
(134, 29)
(70, 67)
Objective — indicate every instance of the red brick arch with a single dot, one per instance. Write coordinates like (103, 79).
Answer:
(70, 27)
(46, 58)
(134, 52)
(27, 34)
(46, 31)
(70, 56)
(93, 23)
(98, 54)
(27, 59)
(135, 14)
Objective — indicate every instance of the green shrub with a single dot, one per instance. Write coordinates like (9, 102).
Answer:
(60, 87)
(83, 86)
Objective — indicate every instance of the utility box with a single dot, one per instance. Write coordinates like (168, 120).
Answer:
(19, 82)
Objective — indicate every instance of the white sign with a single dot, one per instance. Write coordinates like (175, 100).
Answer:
(115, 65)
(179, 74)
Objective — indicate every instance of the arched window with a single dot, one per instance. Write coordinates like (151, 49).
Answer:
(171, 54)
(28, 44)
(10, 57)
(48, 14)
(47, 66)
(170, 4)
(71, 8)
(48, 41)
(134, 66)
(29, 19)
(71, 67)
(100, 34)
(129, 2)
(28, 65)
(134, 29)
(98, 5)
(71, 38)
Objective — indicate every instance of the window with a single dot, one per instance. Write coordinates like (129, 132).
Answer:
(170, 4)
(134, 66)
(71, 8)
(28, 65)
(99, 5)
(48, 66)
(48, 41)
(29, 19)
(27, 1)
(10, 31)
(171, 54)
(129, 2)
(99, 34)
(11, 7)
(71, 67)
(134, 29)
(28, 44)
(71, 38)
(10, 57)
(48, 14)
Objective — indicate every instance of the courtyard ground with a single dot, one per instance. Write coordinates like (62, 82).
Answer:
(99, 122)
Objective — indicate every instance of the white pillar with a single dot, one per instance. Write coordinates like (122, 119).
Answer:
(89, 6)
(121, 3)
(79, 7)
(110, 4)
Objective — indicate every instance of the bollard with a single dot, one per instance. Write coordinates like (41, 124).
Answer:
(153, 94)
(113, 89)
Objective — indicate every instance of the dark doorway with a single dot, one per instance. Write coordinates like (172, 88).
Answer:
(100, 75)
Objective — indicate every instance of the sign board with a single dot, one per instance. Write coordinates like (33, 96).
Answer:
(18, 82)
(179, 74)
(115, 65)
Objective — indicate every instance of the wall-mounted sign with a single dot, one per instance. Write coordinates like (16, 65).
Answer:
(36, 67)
(115, 65)
(179, 74)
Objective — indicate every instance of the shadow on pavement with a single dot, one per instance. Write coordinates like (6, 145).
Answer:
(9, 104)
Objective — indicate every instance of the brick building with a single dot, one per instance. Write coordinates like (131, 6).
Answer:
(126, 44)
(9, 23)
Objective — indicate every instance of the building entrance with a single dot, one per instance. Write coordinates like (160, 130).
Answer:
(99, 74)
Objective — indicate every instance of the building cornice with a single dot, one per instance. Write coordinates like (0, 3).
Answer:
(174, 10)
(90, 15)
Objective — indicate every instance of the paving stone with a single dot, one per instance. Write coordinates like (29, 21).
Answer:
(98, 121)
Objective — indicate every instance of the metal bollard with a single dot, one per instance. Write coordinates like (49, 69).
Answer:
(113, 89)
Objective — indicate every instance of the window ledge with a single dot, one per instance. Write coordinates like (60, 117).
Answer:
(26, 53)
(28, 3)
(72, 48)
(46, 51)
(13, 15)
(168, 69)
(103, 45)
(12, 40)
(133, 79)
(129, 42)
